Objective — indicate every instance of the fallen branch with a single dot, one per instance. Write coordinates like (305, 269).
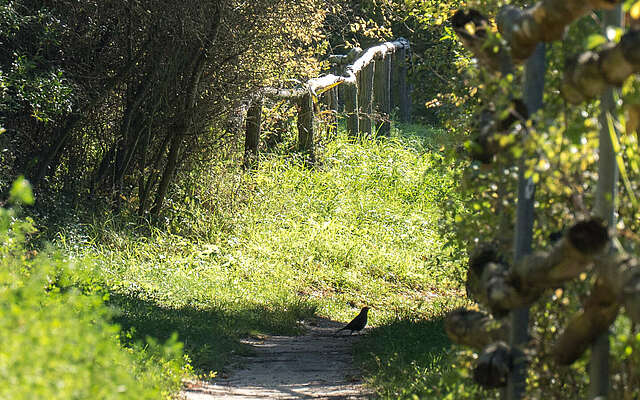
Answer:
(489, 282)
(621, 274)
(599, 311)
(566, 259)
(317, 86)
(472, 28)
(618, 284)
(494, 364)
(490, 131)
(289, 94)
(379, 51)
(522, 29)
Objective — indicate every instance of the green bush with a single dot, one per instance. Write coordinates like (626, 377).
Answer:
(57, 341)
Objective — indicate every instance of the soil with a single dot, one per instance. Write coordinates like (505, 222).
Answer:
(317, 365)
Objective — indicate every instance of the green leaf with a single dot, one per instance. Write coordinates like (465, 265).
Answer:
(595, 40)
(621, 167)
(21, 191)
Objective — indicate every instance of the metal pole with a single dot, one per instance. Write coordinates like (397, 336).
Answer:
(604, 208)
(533, 90)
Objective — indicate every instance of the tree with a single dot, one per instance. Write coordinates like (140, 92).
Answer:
(147, 86)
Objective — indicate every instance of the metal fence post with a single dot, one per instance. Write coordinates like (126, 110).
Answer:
(605, 200)
(533, 90)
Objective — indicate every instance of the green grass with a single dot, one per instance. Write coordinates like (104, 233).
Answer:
(255, 253)
(57, 338)
(413, 359)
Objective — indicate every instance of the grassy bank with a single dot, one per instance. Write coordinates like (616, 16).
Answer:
(257, 252)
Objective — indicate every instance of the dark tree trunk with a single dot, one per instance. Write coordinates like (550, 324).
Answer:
(180, 128)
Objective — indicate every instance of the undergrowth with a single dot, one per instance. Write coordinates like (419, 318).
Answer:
(57, 338)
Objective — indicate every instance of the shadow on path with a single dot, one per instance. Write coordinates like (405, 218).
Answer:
(210, 336)
(317, 365)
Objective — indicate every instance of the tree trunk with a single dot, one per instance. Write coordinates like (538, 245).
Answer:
(180, 129)
(62, 136)
(145, 187)
(170, 167)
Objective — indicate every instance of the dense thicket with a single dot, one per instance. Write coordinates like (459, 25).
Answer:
(119, 97)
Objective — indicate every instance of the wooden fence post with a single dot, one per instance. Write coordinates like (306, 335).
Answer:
(605, 201)
(365, 99)
(338, 91)
(330, 101)
(533, 90)
(399, 87)
(351, 109)
(252, 138)
(382, 95)
(357, 82)
(305, 126)
(335, 102)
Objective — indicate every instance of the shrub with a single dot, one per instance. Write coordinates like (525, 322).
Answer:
(57, 341)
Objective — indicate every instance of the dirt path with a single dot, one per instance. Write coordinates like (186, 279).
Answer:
(317, 365)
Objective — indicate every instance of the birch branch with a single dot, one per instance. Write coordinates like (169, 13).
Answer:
(321, 84)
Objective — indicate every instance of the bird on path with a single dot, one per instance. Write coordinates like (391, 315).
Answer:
(358, 323)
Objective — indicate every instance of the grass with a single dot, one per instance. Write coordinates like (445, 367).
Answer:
(57, 338)
(253, 253)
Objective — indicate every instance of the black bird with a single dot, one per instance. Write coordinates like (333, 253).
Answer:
(358, 323)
